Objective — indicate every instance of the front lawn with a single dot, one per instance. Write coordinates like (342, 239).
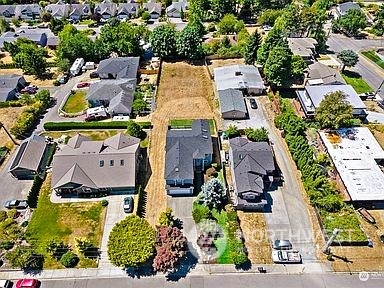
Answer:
(76, 102)
(356, 81)
(371, 55)
(64, 222)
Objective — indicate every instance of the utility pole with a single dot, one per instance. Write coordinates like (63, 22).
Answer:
(327, 249)
(9, 134)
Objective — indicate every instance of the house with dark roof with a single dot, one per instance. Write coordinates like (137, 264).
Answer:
(174, 10)
(127, 10)
(79, 11)
(117, 68)
(343, 8)
(28, 11)
(232, 104)
(52, 42)
(58, 10)
(115, 95)
(304, 47)
(188, 153)
(106, 9)
(320, 74)
(252, 167)
(10, 85)
(30, 158)
(84, 166)
(7, 11)
(153, 8)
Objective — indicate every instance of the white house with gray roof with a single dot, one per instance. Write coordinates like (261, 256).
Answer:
(85, 166)
(174, 10)
(252, 168)
(232, 104)
(127, 10)
(245, 78)
(75, 12)
(188, 153)
(153, 8)
(320, 74)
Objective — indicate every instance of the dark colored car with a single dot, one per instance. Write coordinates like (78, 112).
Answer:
(128, 204)
(27, 283)
(282, 245)
(29, 90)
(16, 204)
(94, 74)
(64, 79)
(83, 85)
(95, 118)
(253, 103)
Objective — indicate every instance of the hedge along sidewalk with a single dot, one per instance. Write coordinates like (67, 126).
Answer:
(64, 126)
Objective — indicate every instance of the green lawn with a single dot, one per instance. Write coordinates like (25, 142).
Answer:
(76, 102)
(187, 123)
(86, 22)
(356, 81)
(64, 222)
(371, 55)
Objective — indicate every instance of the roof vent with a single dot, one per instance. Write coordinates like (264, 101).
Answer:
(177, 169)
(241, 156)
(205, 136)
(238, 73)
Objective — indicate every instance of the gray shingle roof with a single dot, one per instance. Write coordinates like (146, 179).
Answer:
(303, 47)
(153, 7)
(80, 10)
(327, 75)
(106, 7)
(34, 9)
(9, 83)
(178, 6)
(7, 8)
(231, 100)
(128, 8)
(58, 10)
(121, 67)
(29, 154)
(345, 7)
(237, 77)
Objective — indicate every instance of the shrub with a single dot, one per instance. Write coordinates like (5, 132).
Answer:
(212, 194)
(104, 203)
(69, 259)
(166, 218)
(3, 215)
(232, 131)
(7, 245)
(64, 126)
(211, 172)
(25, 258)
(56, 248)
(83, 245)
(200, 212)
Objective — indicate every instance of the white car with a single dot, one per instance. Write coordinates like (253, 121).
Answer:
(286, 256)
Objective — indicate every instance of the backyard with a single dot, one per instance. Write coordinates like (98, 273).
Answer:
(76, 102)
(371, 55)
(64, 222)
(356, 81)
(8, 117)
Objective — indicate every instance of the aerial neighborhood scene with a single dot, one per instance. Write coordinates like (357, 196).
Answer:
(199, 143)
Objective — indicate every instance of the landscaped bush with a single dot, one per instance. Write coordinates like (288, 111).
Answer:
(64, 126)
(15, 103)
(69, 259)
(3, 215)
(56, 248)
(200, 212)
(7, 245)
(104, 203)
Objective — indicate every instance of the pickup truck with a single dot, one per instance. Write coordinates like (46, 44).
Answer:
(286, 256)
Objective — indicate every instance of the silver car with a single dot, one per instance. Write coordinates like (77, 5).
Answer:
(16, 204)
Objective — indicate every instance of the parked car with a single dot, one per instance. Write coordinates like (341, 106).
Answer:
(16, 204)
(27, 283)
(83, 84)
(95, 118)
(128, 204)
(94, 74)
(253, 103)
(5, 284)
(28, 90)
(64, 79)
(282, 245)
(286, 256)
(267, 28)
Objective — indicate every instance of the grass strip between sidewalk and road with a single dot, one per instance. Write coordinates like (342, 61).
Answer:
(371, 55)
(356, 81)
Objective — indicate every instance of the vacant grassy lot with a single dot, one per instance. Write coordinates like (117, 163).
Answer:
(356, 81)
(371, 55)
(64, 222)
(8, 116)
(76, 102)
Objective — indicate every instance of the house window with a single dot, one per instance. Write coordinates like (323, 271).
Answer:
(111, 162)
(101, 163)
(122, 162)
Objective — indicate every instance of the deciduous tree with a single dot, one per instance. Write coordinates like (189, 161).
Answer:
(163, 40)
(277, 68)
(257, 135)
(188, 43)
(229, 25)
(352, 22)
(348, 57)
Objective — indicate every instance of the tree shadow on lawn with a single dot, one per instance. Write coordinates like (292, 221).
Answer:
(351, 74)
(187, 264)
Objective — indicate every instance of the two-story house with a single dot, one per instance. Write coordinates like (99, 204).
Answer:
(106, 9)
(127, 10)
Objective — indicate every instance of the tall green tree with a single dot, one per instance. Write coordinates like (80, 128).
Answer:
(277, 68)
(57, 25)
(334, 111)
(229, 25)
(274, 38)
(188, 43)
(223, 7)
(352, 22)
(298, 65)
(163, 40)
(348, 57)
(4, 26)
(253, 44)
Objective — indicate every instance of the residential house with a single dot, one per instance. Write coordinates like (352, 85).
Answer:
(52, 42)
(58, 10)
(127, 10)
(245, 78)
(174, 10)
(153, 8)
(232, 104)
(84, 166)
(10, 85)
(188, 153)
(30, 158)
(79, 11)
(320, 74)
(311, 97)
(343, 8)
(115, 95)
(7, 11)
(28, 11)
(106, 9)
(304, 47)
(252, 167)
(117, 68)
(39, 38)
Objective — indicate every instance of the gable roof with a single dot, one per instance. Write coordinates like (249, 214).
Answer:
(185, 145)
(231, 100)
(303, 47)
(106, 7)
(34, 9)
(128, 8)
(29, 154)
(345, 7)
(9, 83)
(177, 6)
(120, 67)
(153, 7)
(319, 73)
(7, 8)
(59, 9)
(80, 9)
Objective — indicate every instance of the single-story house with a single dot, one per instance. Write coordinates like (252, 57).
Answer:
(252, 167)
(28, 11)
(304, 47)
(174, 10)
(245, 78)
(7, 11)
(188, 153)
(115, 95)
(127, 10)
(117, 68)
(343, 8)
(10, 85)
(153, 8)
(58, 10)
(232, 104)
(106, 9)
(320, 74)
(30, 158)
(40, 38)
(85, 166)
(311, 97)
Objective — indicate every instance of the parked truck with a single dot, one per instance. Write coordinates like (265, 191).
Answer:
(286, 256)
(76, 66)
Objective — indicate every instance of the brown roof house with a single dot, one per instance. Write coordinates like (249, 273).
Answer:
(84, 166)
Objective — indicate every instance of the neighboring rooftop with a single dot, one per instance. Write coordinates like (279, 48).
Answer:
(320, 74)
(304, 47)
(355, 154)
(120, 67)
(231, 100)
(343, 8)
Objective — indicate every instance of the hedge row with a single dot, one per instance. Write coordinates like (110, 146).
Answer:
(7, 104)
(64, 126)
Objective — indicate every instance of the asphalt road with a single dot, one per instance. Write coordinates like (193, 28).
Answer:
(227, 281)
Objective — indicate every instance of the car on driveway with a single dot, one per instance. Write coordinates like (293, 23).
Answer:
(94, 74)
(83, 84)
(27, 283)
(253, 103)
(128, 204)
(28, 90)
(16, 204)
(64, 79)
(286, 256)
(282, 244)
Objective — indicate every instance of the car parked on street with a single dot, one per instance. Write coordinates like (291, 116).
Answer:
(16, 204)
(64, 79)
(128, 204)
(27, 283)
(253, 103)
(83, 84)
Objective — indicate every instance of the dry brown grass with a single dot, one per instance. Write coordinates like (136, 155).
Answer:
(185, 92)
(223, 62)
(32, 79)
(373, 106)
(8, 116)
(379, 136)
